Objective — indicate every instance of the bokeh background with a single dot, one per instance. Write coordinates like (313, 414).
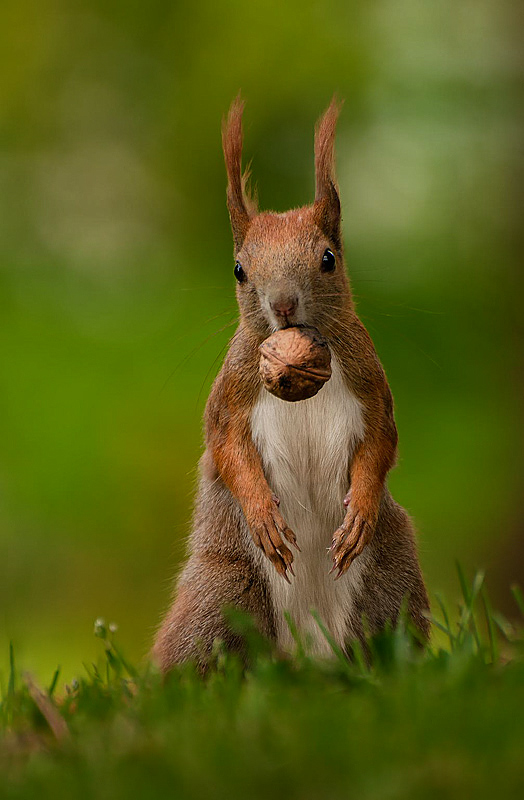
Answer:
(117, 289)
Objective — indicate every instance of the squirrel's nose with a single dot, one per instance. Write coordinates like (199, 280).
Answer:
(284, 307)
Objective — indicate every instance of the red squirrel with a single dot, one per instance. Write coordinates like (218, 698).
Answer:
(293, 512)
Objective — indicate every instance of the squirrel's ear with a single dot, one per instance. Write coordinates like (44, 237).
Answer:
(240, 204)
(327, 203)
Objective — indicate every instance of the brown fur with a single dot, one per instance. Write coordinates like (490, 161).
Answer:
(241, 205)
(281, 256)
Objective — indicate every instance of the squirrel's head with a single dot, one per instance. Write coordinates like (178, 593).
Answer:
(289, 267)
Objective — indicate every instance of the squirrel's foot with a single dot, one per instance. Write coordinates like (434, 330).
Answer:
(267, 527)
(350, 540)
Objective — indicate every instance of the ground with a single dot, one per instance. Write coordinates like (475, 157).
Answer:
(441, 723)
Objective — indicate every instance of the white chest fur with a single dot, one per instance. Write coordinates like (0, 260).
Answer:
(306, 449)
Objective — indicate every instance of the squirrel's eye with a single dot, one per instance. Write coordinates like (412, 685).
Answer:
(328, 261)
(240, 275)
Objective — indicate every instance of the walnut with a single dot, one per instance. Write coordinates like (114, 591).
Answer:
(295, 363)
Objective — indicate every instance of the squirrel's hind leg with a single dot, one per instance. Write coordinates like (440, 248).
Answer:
(209, 583)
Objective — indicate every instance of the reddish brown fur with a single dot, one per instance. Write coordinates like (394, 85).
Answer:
(281, 254)
(327, 203)
(241, 205)
(325, 151)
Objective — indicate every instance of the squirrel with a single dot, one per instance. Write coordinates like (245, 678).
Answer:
(309, 476)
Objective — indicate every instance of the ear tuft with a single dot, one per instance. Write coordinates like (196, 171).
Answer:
(327, 203)
(241, 206)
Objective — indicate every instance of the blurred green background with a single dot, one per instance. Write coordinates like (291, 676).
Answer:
(117, 289)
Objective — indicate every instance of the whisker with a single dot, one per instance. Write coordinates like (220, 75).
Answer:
(209, 370)
(195, 350)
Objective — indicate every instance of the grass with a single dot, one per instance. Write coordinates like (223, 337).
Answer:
(445, 722)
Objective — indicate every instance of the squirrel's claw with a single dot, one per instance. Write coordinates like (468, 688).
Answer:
(267, 532)
(292, 539)
(285, 531)
(349, 541)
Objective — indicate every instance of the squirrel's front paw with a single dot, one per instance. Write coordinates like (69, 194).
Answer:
(350, 539)
(267, 527)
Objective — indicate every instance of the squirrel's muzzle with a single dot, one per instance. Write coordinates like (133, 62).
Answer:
(284, 307)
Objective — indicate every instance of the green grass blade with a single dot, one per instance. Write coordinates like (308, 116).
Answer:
(359, 656)
(337, 650)
(490, 624)
(447, 628)
(503, 625)
(467, 622)
(297, 638)
(478, 582)
(463, 582)
(12, 676)
(439, 625)
(54, 681)
(131, 671)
